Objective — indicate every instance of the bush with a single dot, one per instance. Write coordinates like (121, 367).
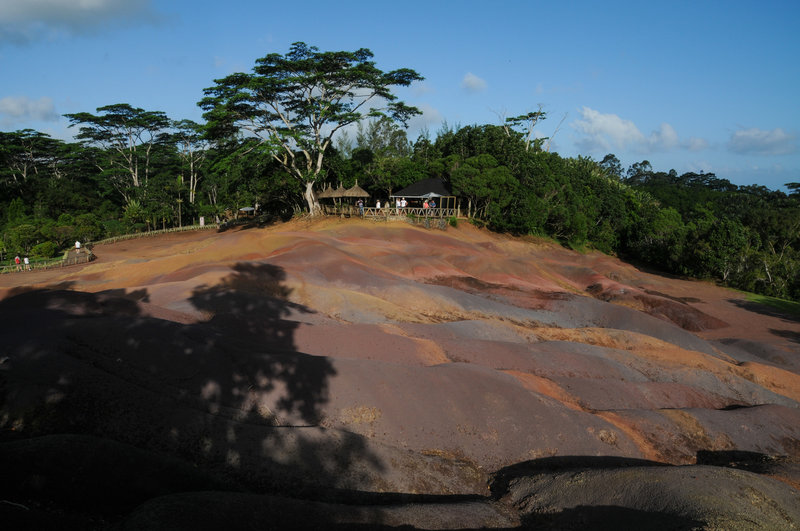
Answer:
(113, 227)
(88, 228)
(453, 221)
(44, 250)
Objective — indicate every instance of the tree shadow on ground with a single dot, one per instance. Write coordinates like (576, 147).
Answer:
(791, 335)
(231, 396)
(610, 518)
(504, 477)
(765, 309)
(756, 462)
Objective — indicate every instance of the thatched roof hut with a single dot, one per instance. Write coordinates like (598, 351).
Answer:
(356, 191)
(330, 193)
(326, 193)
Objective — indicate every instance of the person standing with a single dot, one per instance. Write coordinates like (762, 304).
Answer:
(77, 247)
(17, 261)
(27, 264)
(361, 207)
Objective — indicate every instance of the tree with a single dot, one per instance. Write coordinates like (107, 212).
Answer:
(528, 121)
(384, 138)
(192, 148)
(487, 186)
(639, 172)
(612, 166)
(296, 103)
(25, 153)
(383, 157)
(128, 134)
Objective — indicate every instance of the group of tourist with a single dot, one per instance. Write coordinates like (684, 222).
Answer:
(19, 263)
(400, 205)
(26, 263)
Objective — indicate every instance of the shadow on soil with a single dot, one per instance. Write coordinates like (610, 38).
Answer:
(765, 309)
(106, 408)
(504, 477)
(103, 406)
(610, 518)
(788, 334)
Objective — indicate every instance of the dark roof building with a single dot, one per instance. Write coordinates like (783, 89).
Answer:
(427, 188)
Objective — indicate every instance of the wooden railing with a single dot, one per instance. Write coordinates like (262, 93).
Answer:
(49, 263)
(390, 212)
(147, 234)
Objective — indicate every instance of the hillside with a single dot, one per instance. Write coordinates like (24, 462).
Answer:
(387, 374)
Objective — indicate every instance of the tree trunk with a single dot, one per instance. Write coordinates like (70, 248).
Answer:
(311, 200)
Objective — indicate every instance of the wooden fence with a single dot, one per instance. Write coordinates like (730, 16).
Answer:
(70, 258)
(134, 235)
(390, 212)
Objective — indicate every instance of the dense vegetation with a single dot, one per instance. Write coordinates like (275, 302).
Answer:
(136, 170)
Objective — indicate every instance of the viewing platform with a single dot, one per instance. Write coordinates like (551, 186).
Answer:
(390, 213)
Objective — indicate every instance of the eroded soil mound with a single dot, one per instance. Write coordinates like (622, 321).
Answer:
(346, 365)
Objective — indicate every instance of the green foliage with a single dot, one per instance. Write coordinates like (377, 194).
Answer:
(486, 185)
(15, 212)
(88, 228)
(22, 238)
(135, 214)
(295, 103)
(44, 250)
(126, 136)
(658, 238)
(744, 236)
(114, 227)
(789, 307)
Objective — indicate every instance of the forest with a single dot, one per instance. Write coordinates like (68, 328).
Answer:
(270, 140)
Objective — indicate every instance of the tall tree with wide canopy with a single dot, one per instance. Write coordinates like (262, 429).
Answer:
(296, 103)
(192, 148)
(127, 134)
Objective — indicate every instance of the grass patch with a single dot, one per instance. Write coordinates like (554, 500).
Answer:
(578, 246)
(789, 307)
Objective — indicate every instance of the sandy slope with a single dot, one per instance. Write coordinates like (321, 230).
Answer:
(319, 355)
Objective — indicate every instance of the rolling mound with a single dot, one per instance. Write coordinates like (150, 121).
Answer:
(351, 373)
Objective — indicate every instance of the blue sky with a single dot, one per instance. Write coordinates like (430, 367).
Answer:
(688, 85)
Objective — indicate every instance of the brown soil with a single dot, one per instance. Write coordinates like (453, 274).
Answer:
(318, 358)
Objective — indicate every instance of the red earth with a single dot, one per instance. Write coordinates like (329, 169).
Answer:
(383, 357)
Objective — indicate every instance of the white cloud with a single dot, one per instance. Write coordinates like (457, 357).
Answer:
(664, 139)
(21, 109)
(696, 144)
(421, 89)
(472, 83)
(605, 132)
(609, 132)
(430, 117)
(756, 141)
(25, 21)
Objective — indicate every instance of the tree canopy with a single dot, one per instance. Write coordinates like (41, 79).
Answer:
(295, 103)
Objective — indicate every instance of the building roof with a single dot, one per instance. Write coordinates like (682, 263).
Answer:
(433, 187)
(356, 191)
